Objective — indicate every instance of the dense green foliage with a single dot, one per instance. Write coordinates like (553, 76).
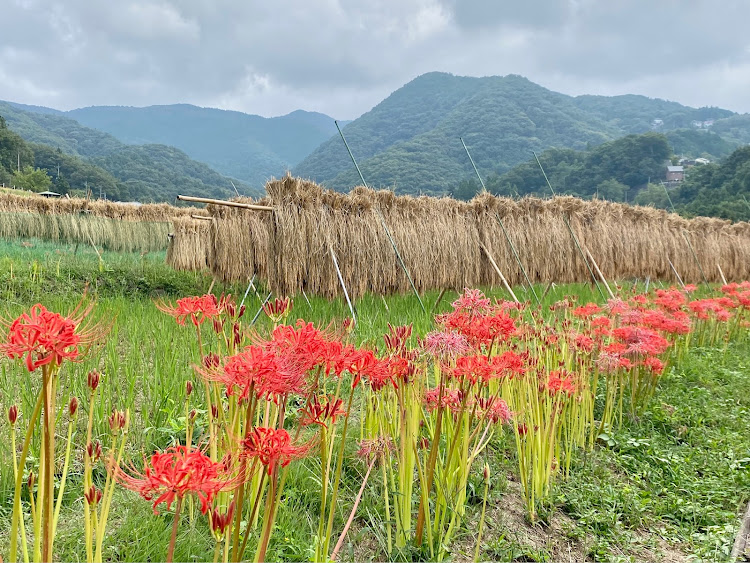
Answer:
(609, 171)
(13, 152)
(95, 160)
(248, 147)
(720, 190)
(32, 179)
(410, 141)
(636, 114)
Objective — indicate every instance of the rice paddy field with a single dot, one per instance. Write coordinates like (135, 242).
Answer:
(516, 439)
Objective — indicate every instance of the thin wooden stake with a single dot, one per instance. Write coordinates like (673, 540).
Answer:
(382, 221)
(499, 273)
(210, 287)
(255, 318)
(343, 285)
(440, 298)
(679, 279)
(306, 299)
(570, 229)
(246, 291)
(546, 291)
(723, 279)
(202, 217)
(502, 225)
(385, 303)
(598, 271)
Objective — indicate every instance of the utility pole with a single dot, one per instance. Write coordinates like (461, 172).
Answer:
(19, 162)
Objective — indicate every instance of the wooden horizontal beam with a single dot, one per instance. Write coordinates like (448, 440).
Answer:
(223, 202)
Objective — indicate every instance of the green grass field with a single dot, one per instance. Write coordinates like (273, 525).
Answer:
(668, 487)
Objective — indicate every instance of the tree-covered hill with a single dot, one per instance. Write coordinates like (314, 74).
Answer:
(91, 159)
(249, 147)
(410, 141)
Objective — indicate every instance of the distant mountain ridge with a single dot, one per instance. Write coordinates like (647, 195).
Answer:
(92, 158)
(410, 141)
(249, 147)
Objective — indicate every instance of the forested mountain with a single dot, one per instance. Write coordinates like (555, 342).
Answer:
(410, 141)
(96, 160)
(248, 147)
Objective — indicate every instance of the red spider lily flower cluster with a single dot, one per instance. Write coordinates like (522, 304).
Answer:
(272, 447)
(42, 337)
(197, 309)
(322, 411)
(175, 473)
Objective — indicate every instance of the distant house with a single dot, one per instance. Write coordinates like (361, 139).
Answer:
(702, 161)
(657, 123)
(49, 194)
(675, 173)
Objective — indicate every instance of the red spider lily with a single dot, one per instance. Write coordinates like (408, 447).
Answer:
(451, 399)
(472, 301)
(616, 306)
(655, 365)
(479, 368)
(220, 520)
(92, 380)
(395, 340)
(587, 311)
(445, 343)
(44, 337)
(676, 323)
(375, 447)
(268, 374)
(582, 342)
(670, 299)
(198, 309)
(376, 372)
(13, 414)
(303, 344)
(560, 381)
(717, 306)
(641, 341)
(93, 496)
(278, 309)
(690, 288)
(321, 412)
(272, 447)
(479, 329)
(495, 409)
(177, 472)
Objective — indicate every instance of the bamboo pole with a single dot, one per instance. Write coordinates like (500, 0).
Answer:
(306, 298)
(570, 229)
(439, 299)
(255, 318)
(226, 203)
(499, 273)
(247, 291)
(598, 271)
(382, 221)
(723, 279)
(343, 285)
(502, 225)
(202, 217)
(679, 279)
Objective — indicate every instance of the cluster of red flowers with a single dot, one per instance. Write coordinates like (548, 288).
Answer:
(43, 337)
(272, 447)
(177, 472)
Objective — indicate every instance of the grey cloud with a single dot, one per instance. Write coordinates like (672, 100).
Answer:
(343, 56)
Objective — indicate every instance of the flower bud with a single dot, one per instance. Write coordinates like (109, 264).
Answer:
(30, 481)
(93, 379)
(117, 420)
(214, 411)
(486, 473)
(193, 413)
(188, 388)
(94, 451)
(211, 360)
(93, 496)
(241, 312)
(13, 415)
(73, 406)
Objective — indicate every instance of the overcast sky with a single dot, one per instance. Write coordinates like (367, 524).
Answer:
(341, 57)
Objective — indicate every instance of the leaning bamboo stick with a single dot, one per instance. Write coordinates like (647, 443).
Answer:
(343, 285)
(598, 271)
(679, 279)
(499, 273)
(203, 217)
(223, 202)
(723, 279)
